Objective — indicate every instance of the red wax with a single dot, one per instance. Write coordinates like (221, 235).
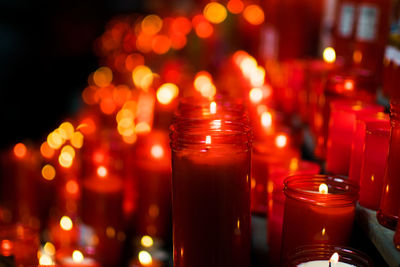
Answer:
(390, 201)
(64, 259)
(314, 218)
(63, 238)
(357, 147)
(374, 163)
(276, 201)
(342, 125)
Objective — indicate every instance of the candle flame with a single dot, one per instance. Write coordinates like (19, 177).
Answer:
(102, 171)
(77, 256)
(208, 139)
(266, 119)
(157, 151)
(334, 258)
(256, 95)
(281, 141)
(349, 85)
(213, 107)
(20, 150)
(329, 55)
(146, 241)
(145, 257)
(66, 223)
(323, 188)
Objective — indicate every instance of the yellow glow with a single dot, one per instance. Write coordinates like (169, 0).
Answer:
(20, 150)
(66, 223)
(49, 248)
(208, 139)
(215, 12)
(348, 85)
(142, 127)
(208, 91)
(213, 107)
(55, 140)
(248, 65)
(131, 139)
(65, 160)
(48, 172)
(167, 92)
(329, 55)
(128, 130)
(146, 241)
(77, 140)
(142, 77)
(334, 258)
(257, 77)
(103, 76)
(202, 79)
(69, 150)
(46, 150)
(45, 260)
(281, 141)
(102, 171)
(323, 232)
(157, 151)
(125, 114)
(254, 14)
(68, 130)
(151, 24)
(294, 164)
(323, 189)
(372, 178)
(145, 258)
(110, 232)
(77, 256)
(256, 95)
(266, 119)
(216, 124)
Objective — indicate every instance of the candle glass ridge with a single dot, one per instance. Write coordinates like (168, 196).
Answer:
(311, 217)
(211, 193)
(347, 256)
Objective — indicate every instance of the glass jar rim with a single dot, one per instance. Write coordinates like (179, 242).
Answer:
(345, 191)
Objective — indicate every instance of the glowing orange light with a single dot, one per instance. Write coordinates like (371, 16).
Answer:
(281, 141)
(67, 130)
(6, 244)
(130, 139)
(213, 107)
(126, 127)
(215, 12)
(329, 55)
(133, 60)
(145, 258)
(125, 113)
(107, 106)
(103, 76)
(161, 44)
(66, 223)
(256, 95)
(257, 77)
(20, 150)
(45, 260)
(348, 85)
(121, 94)
(254, 14)
(181, 25)
(323, 189)
(202, 79)
(77, 256)
(266, 119)
(248, 65)
(142, 77)
(49, 248)
(167, 92)
(357, 56)
(48, 172)
(334, 258)
(208, 91)
(72, 187)
(65, 160)
(178, 41)
(102, 171)
(46, 150)
(87, 126)
(77, 140)
(235, 6)
(68, 149)
(146, 241)
(238, 56)
(89, 95)
(98, 157)
(55, 140)
(143, 42)
(142, 127)
(157, 151)
(151, 24)
(208, 139)
(204, 29)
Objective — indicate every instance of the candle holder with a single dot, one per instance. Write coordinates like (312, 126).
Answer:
(211, 193)
(318, 209)
(390, 202)
(322, 253)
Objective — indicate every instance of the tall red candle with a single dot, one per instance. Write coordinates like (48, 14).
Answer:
(373, 163)
(318, 209)
(390, 202)
(211, 194)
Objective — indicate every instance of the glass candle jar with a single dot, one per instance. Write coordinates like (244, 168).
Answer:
(211, 193)
(320, 254)
(319, 209)
(390, 202)
(373, 163)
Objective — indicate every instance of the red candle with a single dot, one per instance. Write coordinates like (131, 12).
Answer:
(373, 163)
(318, 209)
(341, 130)
(357, 147)
(20, 244)
(211, 194)
(74, 258)
(276, 200)
(390, 202)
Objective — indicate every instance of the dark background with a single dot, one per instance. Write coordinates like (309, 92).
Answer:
(46, 55)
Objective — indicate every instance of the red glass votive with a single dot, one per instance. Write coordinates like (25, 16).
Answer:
(20, 244)
(390, 202)
(373, 163)
(319, 255)
(276, 200)
(64, 258)
(357, 147)
(396, 238)
(211, 194)
(342, 125)
(312, 217)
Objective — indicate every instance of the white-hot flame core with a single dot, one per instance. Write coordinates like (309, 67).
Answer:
(213, 107)
(334, 258)
(208, 139)
(323, 188)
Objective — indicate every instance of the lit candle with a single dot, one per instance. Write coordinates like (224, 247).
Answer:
(75, 258)
(333, 261)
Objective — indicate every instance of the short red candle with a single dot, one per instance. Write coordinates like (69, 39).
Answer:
(341, 130)
(211, 194)
(374, 162)
(276, 200)
(311, 217)
(390, 202)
